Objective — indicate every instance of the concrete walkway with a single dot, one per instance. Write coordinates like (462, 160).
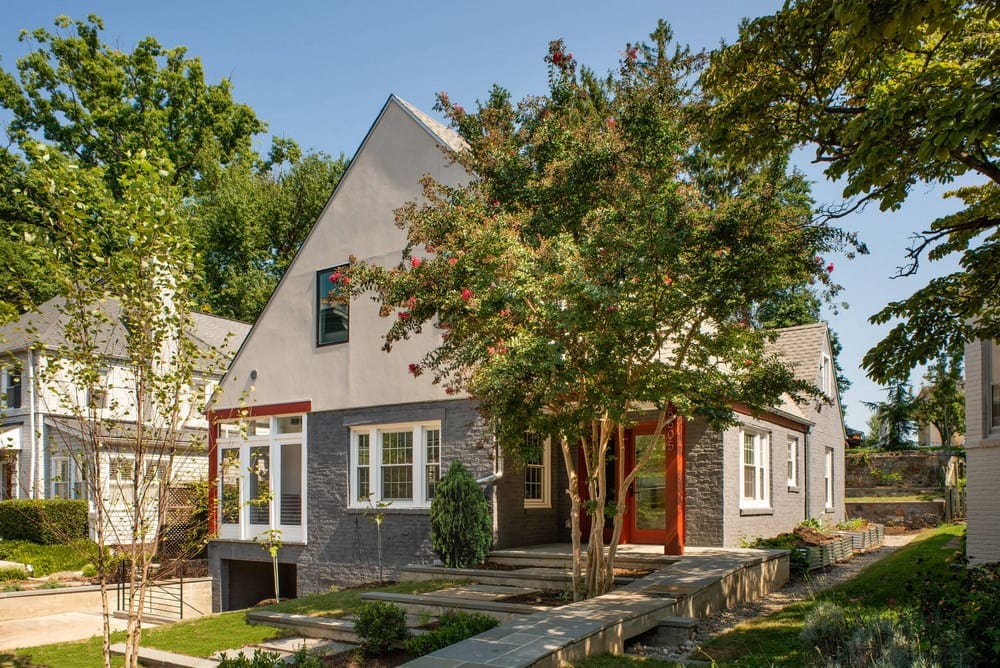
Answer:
(62, 627)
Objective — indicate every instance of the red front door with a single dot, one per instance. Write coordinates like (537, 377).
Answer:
(654, 512)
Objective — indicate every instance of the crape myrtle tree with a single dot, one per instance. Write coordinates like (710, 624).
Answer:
(124, 267)
(891, 94)
(597, 268)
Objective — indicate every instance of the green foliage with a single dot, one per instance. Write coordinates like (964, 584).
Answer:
(461, 524)
(452, 627)
(45, 559)
(260, 659)
(249, 220)
(813, 523)
(380, 625)
(896, 417)
(958, 614)
(853, 524)
(891, 96)
(88, 571)
(942, 401)
(43, 521)
(12, 573)
(303, 658)
(798, 560)
(825, 630)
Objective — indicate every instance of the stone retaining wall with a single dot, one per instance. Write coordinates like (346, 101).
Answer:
(906, 514)
(919, 470)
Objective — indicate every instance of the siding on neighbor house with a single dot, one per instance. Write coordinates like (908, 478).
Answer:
(341, 546)
(982, 453)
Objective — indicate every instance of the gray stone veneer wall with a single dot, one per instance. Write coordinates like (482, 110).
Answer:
(341, 547)
(704, 479)
(517, 525)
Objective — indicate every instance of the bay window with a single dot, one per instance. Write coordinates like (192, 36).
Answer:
(397, 464)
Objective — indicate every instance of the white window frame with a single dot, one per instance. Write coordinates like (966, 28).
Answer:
(6, 385)
(792, 461)
(991, 355)
(544, 466)
(72, 484)
(244, 530)
(420, 498)
(826, 371)
(761, 469)
(828, 472)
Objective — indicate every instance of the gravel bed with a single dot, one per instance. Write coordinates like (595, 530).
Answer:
(795, 590)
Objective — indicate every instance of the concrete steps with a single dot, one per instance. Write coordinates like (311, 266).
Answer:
(533, 557)
(461, 599)
(536, 577)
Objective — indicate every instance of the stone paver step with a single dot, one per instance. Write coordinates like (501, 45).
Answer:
(562, 559)
(157, 658)
(484, 592)
(433, 604)
(329, 628)
(531, 576)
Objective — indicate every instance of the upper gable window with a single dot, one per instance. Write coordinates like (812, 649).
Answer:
(10, 392)
(332, 307)
(826, 369)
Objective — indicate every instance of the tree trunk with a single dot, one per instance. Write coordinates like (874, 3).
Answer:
(574, 497)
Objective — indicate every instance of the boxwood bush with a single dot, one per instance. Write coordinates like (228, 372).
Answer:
(46, 522)
(452, 627)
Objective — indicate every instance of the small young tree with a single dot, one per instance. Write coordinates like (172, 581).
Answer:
(942, 403)
(123, 262)
(461, 527)
(896, 417)
(597, 267)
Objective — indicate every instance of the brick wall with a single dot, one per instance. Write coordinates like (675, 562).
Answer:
(517, 525)
(703, 485)
(342, 544)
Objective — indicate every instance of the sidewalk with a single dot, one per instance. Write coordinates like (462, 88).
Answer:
(62, 627)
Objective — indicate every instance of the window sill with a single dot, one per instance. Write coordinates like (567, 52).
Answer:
(829, 510)
(793, 489)
(753, 512)
(389, 510)
(538, 506)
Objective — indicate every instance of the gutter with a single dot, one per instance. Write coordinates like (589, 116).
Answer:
(805, 474)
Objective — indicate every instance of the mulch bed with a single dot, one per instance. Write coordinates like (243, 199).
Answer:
(494, 566)
(809, 537)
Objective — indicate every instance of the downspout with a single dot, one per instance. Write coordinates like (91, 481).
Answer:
(805, 473)
(32, 409)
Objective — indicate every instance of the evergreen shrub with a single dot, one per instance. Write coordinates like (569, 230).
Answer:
(461, 526)
(380, 625)
(44, 521)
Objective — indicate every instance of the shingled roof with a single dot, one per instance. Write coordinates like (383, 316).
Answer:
(800, 347)
(46, 327)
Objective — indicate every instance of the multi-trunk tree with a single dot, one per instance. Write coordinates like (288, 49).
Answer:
(599, 269)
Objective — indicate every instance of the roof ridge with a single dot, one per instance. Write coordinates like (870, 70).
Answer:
(445, 134)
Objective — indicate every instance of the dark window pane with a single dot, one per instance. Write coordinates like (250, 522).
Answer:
(332, 308)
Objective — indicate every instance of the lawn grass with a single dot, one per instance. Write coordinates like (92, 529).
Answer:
(774, 640)
(206, 635)
(46, 559)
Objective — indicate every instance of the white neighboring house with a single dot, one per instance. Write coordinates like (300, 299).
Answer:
(41, 430)
(982, 450)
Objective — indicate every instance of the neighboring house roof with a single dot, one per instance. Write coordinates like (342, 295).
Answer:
(46, 327)
(122, 433)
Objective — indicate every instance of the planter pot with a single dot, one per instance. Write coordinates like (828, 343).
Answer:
(865, 539)
(820, 556)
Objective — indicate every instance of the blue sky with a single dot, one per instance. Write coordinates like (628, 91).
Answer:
(319, 71)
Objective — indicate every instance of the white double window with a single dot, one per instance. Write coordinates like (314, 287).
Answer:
(262, 477)
(755, 478)
(397, 464)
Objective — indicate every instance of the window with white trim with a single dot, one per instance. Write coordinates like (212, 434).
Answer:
(261, 477)
(536, 472)
(755, 483)
(826, 375)
(828, 478)
(10, 391)
(793, 461)
(67, 483)
(992, 393)
(399, 464)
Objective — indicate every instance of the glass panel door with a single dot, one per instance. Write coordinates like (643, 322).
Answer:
(650, 486)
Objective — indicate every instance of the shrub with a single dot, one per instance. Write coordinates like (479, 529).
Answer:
(88, 571)
(854, 524)
(46, 522)
(452, 628)
(825, 630)
(798, 560)
(303, 659)
(380, 625)
(46, 559)
(461, 526)
(12, 573)
(260, 659)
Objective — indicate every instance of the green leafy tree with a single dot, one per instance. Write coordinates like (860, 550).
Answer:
(249, 220)
(942, 401)
(891, 94)
(596, 268)
(123, 265)
(896, 417)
